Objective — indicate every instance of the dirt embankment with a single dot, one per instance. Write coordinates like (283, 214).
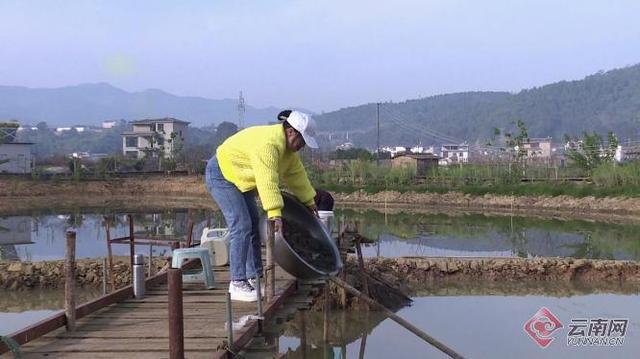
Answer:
(50, 274)
(485, 276)
(163, 191)
(614, 205)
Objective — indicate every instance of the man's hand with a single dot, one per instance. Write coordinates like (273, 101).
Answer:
(277, 224)
(314, 210)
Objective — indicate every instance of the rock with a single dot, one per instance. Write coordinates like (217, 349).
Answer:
(15, 267)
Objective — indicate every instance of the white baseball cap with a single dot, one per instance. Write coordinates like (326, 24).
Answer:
(304, 124)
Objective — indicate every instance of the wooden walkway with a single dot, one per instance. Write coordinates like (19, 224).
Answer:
(140, 328)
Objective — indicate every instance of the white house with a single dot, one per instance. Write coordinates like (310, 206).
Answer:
(454, 153)
(15, 157)
(108, 124)
(153, 134)
(539, 148)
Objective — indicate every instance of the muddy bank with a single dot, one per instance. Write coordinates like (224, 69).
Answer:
(190, 191)
(576, 206)
(50, 274)
(421, 269)
(484, 276)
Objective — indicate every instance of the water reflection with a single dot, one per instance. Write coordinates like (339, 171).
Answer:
(484, 325)
(41, 236)
(19, 309)
(478, 235)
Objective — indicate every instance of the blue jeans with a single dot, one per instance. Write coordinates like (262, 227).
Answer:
(241, 214)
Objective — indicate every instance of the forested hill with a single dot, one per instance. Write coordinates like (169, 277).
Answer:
(601, 102)
(90, 104)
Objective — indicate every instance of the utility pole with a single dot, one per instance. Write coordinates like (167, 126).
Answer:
(378, 143)
(241, 110)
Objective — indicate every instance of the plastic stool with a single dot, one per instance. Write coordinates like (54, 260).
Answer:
(203, 276)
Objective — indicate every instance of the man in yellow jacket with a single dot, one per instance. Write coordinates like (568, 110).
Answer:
(255, 160)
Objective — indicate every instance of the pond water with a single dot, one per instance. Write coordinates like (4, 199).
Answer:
(40, 236)
(480, 235)
(476, 326)
(19, 309)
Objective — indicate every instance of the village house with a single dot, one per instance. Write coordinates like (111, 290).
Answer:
(423, 163)
(152, 136)
(454, 153)
(15, 157)
(538, 148)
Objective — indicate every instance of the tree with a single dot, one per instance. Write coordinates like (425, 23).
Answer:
(517, 142)
(591, 151)
(223, 131)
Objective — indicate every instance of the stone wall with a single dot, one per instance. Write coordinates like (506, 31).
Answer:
(50, 274)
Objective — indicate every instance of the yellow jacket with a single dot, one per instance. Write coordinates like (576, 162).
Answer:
(257, 157)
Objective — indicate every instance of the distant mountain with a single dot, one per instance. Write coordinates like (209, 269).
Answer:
(606, 101)
(90, 104)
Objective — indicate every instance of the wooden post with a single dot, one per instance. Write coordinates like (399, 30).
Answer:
(190, 234)
(303, 333)
(70, 281)
(363, 345)
(270, 278)
(112, 278)
(132, 245)
(176, 324)
(325, 314)
(363, 274)
(342, 247)
(150, 259)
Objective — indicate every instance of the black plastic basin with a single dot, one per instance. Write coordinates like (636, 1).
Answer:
(286, 257)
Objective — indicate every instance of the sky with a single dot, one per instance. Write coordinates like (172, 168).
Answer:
(318, 55)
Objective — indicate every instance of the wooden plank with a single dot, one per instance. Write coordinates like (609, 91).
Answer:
(58, 320)
(106, 329)
(49, 345)
(156, 333)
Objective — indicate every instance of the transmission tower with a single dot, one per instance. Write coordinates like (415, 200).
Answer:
(241, 109)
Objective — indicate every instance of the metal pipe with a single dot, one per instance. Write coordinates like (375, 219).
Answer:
(259, 293)
(104, 275)
(138, 276)
(176, 323)
(396, 318)
(270, 283)
(70, 281)
(112, 278)
(132, 246)
(229, 323)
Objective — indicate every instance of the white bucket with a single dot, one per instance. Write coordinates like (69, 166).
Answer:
(216, 240)
(327, 219)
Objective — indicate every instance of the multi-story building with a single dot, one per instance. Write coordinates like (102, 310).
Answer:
(153, 137)
(454, 153)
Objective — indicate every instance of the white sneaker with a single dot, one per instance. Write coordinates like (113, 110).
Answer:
(254, 284)
(242, 291)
